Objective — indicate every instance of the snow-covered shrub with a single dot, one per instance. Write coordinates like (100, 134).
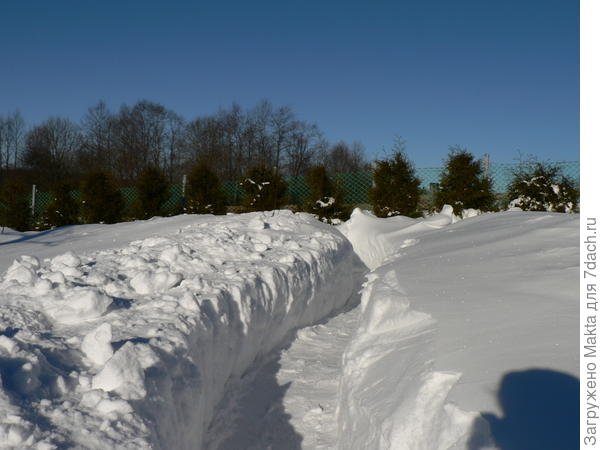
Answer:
(325, 198)
(463, 183)
(264, 189)
(542, 187)
(101, 201)
(396, 189)
(204, 192)
(152, 192)
(63, 209)
(14, 207)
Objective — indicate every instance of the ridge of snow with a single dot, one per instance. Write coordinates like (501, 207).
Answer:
(390, 395)
(448, 312)
(133, 347)
(375, 239)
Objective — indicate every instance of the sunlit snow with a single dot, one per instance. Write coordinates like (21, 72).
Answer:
(242, 331)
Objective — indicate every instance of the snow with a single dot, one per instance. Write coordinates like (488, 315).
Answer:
(83, 238)
(330, 201)
(96, 344)
(187, 332)
(449, 318)
(374, 239)
(134, 345)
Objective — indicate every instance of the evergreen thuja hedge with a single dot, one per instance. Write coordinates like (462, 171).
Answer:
(62, 209)
(396, 189)
(326, 197)
(101, 201)
(204, 191)
(152, 192)
(264, 189)
(542, 187)
(463, 183)
(14, 206)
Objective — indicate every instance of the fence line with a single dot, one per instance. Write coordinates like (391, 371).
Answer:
(355, 186)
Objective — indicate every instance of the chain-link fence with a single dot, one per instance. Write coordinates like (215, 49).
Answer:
(355, 186)
(500, 173)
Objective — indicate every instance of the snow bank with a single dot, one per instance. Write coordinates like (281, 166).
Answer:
(375, 239)
(82, 238)
(133, 347)
(390, 395)
(449, 315)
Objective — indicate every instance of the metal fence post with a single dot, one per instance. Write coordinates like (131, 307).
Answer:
(183, 184)
(486, 165)
(33, 191)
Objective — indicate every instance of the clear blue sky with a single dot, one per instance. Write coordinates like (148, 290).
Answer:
(495, 77)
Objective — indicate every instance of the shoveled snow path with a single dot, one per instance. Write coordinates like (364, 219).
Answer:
(312, 368)
(290, 401)
(134, 346)
(449, 319)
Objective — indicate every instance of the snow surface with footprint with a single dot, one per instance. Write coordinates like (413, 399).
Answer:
(184, 332)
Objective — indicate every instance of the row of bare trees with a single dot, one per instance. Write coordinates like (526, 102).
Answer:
(12, 138)
(125, 142)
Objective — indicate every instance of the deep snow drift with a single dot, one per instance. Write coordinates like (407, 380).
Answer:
(466, 335)
(134, 346)
(478, 316)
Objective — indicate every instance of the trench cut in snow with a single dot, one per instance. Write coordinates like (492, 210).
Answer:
(133, 347)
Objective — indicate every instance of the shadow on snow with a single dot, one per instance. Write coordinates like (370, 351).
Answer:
(540, 412)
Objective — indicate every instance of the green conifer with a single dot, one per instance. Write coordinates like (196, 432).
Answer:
(396, 188)
(152, 192)
(204, 192)
(264, 189)
(463, 183)
(101, 201)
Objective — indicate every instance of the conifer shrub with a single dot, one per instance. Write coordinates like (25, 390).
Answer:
(264, 189)
(62, 209)
(152, 192)
(542, 187)
(326, 197)
(396, 189)
(15, 212)
(204, 191)
(101, 201)
(463, 184)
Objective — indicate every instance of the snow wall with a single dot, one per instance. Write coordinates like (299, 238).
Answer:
(133, 347)
(390, 395)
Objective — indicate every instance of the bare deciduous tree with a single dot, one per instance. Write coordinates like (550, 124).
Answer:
(343, 158)
(12, 138)
(51, 149)
(146, 133)
(98, 149)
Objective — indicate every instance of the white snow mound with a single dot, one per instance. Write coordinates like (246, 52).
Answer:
(133, 346)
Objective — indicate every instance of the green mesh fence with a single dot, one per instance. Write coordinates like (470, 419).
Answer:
(356, 186)
(129, 196)
(173, 204)
(234, 192)
(502, 174)
(298, 190)
(429, 175)
(175, 201)
(42, 200)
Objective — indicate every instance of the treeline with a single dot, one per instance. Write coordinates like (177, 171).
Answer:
(124, 143)
(148, 148)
